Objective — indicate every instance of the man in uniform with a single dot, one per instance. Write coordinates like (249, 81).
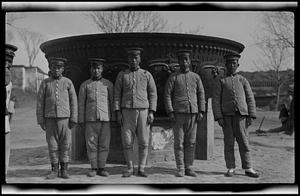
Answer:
(9, 56)
(290, 122)
(95, 101)
(135, 101)
(57, 115)
(234, 109)
(185, 105)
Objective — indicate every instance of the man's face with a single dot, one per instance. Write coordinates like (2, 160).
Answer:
(7, 64)
(96, 70)
(231, 66)
(184, 63)
(134, 61)
(56, 69)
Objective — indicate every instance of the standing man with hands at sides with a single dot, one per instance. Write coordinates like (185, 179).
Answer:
(234, 109)
(57, 115)
(185, 105)
(135, 101)
(95, 101)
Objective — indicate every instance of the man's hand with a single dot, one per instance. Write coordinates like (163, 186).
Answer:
(71, 124)
(43, 126)
(248, 121)
(119, 117)
(150, 117)
(221, 122)
(81, 125)
(172, 117)
(199, 116)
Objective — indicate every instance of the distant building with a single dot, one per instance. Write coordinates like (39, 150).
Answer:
(27, 78)
(265, 94)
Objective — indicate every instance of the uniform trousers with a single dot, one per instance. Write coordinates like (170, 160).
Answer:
(135, 123)
(58, 136)
(235, 128)
(97, 135)
(185, 132)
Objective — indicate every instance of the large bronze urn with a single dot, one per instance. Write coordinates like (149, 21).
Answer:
(159, 57)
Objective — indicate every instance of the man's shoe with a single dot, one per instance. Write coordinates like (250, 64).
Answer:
(190, 172)
(102, 172)
(54, 171)
(142, 174)
(252, 174)
(92, 172)
(230, 173)
(64, 170)
(127, 174)
(180, 173)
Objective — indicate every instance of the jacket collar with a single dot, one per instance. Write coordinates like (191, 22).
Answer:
(96, 79)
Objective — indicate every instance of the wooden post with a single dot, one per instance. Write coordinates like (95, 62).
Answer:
(205, 135)
(78, 149)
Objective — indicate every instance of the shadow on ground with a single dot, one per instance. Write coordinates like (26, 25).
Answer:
(23, 173)
(29, 156)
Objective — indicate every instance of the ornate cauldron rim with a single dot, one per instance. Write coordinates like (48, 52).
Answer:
(139, 35)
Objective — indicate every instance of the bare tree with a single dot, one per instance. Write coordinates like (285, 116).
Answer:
(276, 41)
(179, 29)
(280, 27)
(275, 58)
(10, 27)
(32, 41)
(127, 21)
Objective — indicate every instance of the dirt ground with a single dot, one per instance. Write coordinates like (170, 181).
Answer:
(273, 157)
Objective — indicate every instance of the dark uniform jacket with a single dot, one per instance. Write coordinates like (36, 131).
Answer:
(135, 89)
(231, 94)
(95, 100)
(56, 99)
(184, 93)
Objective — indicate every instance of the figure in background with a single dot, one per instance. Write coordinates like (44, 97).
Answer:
(11, 107)
(135, 101)
(234, 108)
(9, 56)
(95, 101)
(57, 114)
(185, 105)
(290, 122)
(283, 117)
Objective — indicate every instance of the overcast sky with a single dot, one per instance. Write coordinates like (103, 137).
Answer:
(234, 25)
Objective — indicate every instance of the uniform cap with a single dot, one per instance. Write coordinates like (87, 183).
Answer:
(183, 52)
(134, 51)
(96, 60)
(232, 56)
(10, 52)
(57, 60)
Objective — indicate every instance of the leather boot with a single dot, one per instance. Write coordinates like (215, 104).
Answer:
(54, 171)
(64, 170)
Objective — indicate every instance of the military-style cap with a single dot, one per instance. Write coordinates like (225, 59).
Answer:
(232, 56)
(183, 52)
(10, 52)
(58, 60)
(96, 61)
(134, 51)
